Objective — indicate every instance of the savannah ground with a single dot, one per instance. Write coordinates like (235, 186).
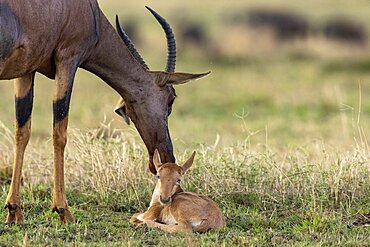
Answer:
(281, 131)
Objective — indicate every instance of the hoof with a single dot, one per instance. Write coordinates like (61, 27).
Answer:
(65, 216)
(135, 220)
(11, 207)
(14, 214)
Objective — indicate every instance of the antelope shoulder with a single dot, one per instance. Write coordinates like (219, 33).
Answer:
(167, 218)
(191, 205)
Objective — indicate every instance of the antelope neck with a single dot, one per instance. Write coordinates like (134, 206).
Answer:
(112, 62)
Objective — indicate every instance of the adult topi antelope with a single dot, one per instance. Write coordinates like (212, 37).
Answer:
(55, 37)
(173, 210)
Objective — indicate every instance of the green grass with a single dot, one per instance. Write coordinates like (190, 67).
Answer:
(304, 195)
(281, 133)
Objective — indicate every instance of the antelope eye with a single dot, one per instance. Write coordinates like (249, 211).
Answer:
(169, 110)
(170, 103)
(158, 176)
(178, 181)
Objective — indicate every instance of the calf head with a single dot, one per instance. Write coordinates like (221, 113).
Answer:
(169, 177)
(152, 104)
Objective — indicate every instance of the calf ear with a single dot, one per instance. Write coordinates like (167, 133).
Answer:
(157, 159)
(188, 163)
(121, 110)
(176, 78)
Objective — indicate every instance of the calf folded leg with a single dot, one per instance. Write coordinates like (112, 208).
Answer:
(23, 89)
(184, 227)
(151, 214)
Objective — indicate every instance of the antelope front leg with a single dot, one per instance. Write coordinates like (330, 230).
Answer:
(141, 218)
(23, 89)
(137, 219)
(63, 90)
(151, 214)
(180, 227)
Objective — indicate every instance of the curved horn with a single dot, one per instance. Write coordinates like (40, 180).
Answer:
(129, 44)
(171, 42)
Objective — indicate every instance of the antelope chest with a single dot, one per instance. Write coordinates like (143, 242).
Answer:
(196, 223)
(168, 219)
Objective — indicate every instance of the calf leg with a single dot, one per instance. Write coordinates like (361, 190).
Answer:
(151, 214)
(23, 89)
(63, 90)
(184, 227)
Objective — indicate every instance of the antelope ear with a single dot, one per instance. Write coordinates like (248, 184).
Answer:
(157, 159)
(176, 78)
(188, 163)
(121, 110)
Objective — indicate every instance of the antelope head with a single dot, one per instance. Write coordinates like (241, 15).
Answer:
(153, 103)
(169, 178)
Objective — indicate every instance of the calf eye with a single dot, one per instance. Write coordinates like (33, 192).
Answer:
(178, 181)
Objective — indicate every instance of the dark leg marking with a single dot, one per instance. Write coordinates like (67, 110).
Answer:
(23, 108)
(61, 106)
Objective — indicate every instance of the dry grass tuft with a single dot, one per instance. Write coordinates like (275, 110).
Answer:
(108, 161)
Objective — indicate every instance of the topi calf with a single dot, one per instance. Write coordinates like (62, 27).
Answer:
(173, 210)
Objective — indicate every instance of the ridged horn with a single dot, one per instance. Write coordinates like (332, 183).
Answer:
(129, 44)
(171, 42)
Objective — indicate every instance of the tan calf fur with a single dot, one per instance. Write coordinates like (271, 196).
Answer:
(173, 210)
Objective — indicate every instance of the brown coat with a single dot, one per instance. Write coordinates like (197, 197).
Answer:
(55, 38)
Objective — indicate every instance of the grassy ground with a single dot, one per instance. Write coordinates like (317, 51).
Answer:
(281, 132)
(309, 195)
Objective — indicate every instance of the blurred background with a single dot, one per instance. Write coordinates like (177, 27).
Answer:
(283, 72)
